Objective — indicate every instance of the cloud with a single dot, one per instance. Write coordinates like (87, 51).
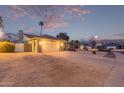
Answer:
(18, 12)
(50, 25)
(29, 29)
(53, 16)
(77, 10)
(58, 21)
(53, 22)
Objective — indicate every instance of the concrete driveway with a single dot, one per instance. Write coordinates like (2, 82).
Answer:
(79, 69)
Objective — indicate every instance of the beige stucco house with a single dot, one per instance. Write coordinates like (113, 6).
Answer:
(44, 43)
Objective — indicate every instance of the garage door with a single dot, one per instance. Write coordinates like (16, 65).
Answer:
(50, 46)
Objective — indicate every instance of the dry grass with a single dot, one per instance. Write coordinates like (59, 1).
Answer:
(45, 70)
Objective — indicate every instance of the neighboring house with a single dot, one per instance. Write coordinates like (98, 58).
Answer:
(44, 43)
(111, 44)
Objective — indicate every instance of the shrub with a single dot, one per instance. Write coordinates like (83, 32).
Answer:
(7, 47)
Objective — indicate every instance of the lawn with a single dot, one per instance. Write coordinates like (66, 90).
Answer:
(30, 69)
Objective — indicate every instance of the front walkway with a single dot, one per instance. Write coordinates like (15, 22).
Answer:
(116, 78)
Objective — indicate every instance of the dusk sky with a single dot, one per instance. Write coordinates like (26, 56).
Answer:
(78, 21)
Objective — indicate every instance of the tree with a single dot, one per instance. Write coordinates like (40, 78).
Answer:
(74, 44)
(63, 36)
(93, 43)
(1, 22)
(41, 24)
(1, 28)
(77, 44)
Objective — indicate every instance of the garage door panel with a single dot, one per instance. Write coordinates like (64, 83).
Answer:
(50, 46)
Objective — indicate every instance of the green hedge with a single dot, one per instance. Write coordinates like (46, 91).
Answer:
(6, 47)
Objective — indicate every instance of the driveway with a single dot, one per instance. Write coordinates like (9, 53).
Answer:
(116, 66)
(55, 69)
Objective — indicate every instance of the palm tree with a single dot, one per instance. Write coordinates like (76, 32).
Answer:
(1, 22)
(41, 24)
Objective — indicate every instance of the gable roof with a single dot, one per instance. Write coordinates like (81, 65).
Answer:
(42, 36)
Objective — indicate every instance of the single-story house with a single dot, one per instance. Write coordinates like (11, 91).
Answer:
(36, 43)
(111, 44)
(44, 43)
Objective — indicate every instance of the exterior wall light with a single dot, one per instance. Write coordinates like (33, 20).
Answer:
(61, 44)
(40, 42)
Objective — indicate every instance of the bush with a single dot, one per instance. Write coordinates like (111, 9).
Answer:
(7, 47)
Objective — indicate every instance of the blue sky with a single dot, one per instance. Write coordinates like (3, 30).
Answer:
(105, 21)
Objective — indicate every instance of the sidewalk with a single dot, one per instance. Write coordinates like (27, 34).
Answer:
(116, 78)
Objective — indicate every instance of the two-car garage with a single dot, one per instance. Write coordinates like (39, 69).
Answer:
(46, 45)
(50, 46)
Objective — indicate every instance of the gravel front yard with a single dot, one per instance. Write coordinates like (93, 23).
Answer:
(28, 69)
